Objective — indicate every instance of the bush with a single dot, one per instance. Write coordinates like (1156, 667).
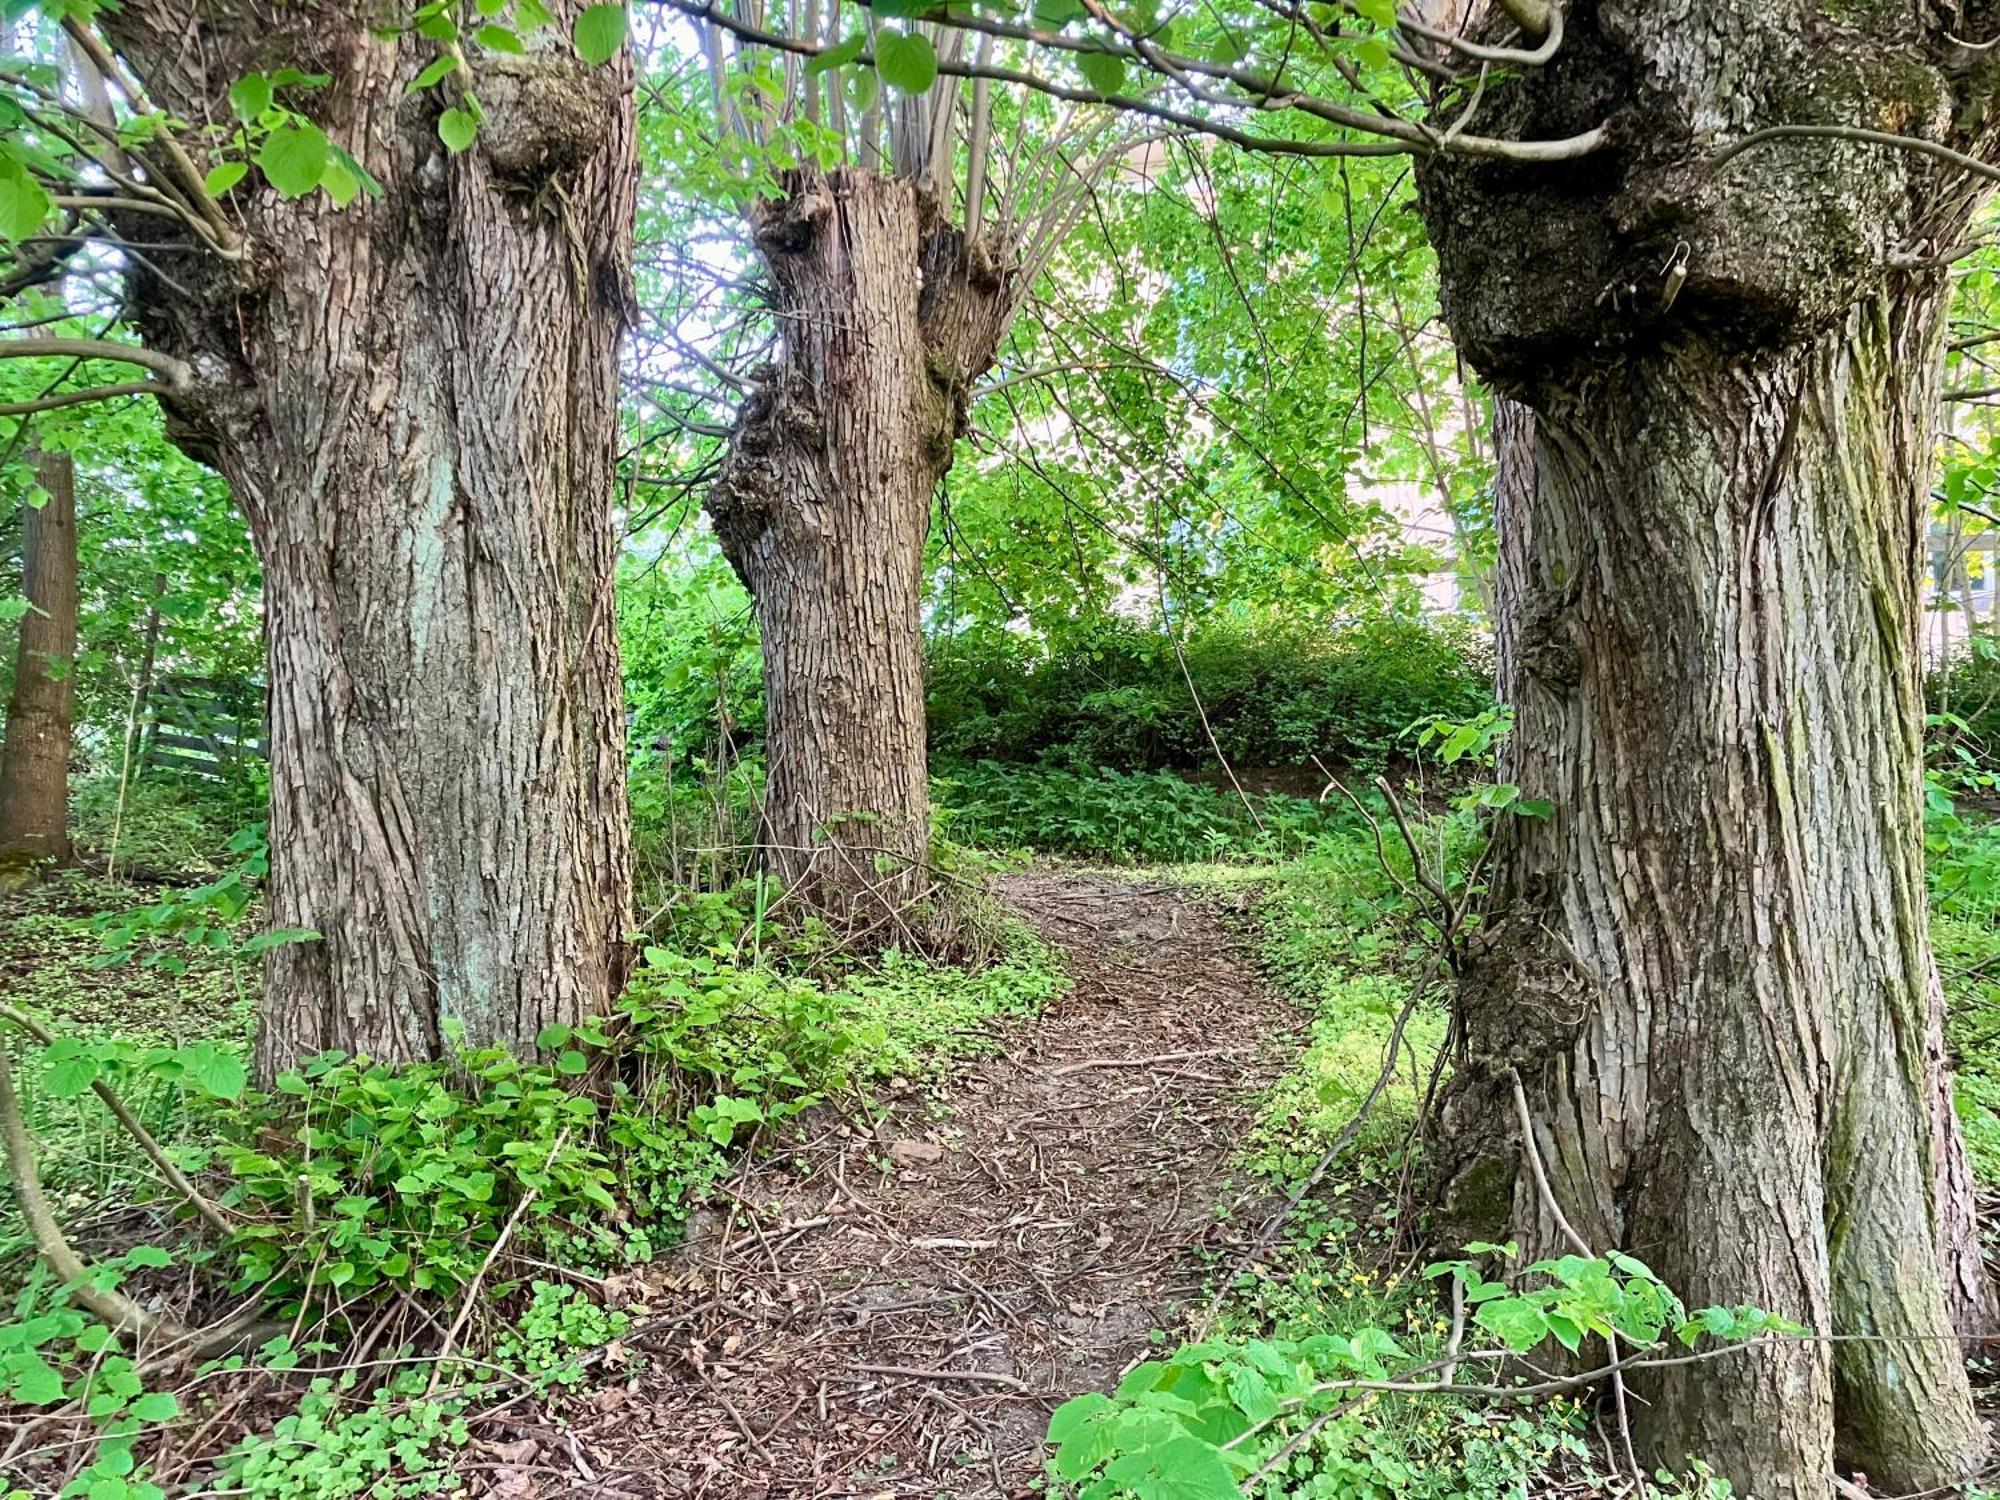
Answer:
(1274, 695)
(1140, 817)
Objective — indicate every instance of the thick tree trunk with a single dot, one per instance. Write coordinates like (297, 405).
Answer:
(34, 764)
(823, 508)
(1709, 967)
(416, 404)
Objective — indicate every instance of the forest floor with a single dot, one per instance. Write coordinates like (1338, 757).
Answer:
(896, 1312)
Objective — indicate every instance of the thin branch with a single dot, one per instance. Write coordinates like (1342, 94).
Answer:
(77, 398)
(177, 372)
(1402, 137)
(177, 1179)
(1917, 144)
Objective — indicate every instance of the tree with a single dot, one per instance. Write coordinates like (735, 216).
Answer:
(397, 338)
(34, 763)
(1706, 249)
(898, 237)
(1707, 971)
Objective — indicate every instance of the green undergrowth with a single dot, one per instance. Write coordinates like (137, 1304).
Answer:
(1964, 863)
(1343, 1294)
(1120, 817)
(383, 1202)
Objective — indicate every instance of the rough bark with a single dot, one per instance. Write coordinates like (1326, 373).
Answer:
(34, 763)
(414, 399)
(886, 317)
(1709, 967)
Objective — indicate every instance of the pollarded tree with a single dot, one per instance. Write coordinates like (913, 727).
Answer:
(1706, 248)
(1709, 971)
(379, 267)
(902, 226)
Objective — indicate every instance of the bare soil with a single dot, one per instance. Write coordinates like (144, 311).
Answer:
(894, 1311)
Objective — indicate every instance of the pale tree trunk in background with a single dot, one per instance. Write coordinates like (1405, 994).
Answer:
(415, 401)
(34, 765)
(1709, 967)
(823, 508)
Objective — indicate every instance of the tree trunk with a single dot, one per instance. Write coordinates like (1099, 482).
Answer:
(823, 507)
(1709, 967)
(415, 401)
(34, 764)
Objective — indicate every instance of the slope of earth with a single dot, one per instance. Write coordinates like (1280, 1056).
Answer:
(896, 1313)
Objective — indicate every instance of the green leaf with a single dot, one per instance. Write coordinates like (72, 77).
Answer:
(906, 61)
(599, 33)
(70, 1077)
(437, 72)
(148, 1255)
(222, 178)
(457, 128)
(250, 96)
(1252, 1394)
(293, 159)
(551, 1037)
(1070, 1417)
(1102, 71)
(35, 1382)
(572, 1063)
(1517, 1323)
(499, 39)
(24, 204)
(1381, 12)
(156, 1406)
(218, 1073)
(837, 57)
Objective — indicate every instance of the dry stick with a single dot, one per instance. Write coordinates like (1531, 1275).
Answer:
(1347, 1133)
(500, 1244)
(1133, 1062)
(210, 1214)
(141, 686)
(976, 1377)
(1160, 584)
(113, 1306)
(1582, 1248)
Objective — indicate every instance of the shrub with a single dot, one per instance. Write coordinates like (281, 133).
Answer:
(1140, 817)
(1273, 695)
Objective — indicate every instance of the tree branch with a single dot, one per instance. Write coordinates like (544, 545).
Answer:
(1922, 147)
(177, 373)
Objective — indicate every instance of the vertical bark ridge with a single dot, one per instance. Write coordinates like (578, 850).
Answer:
(1709, 966)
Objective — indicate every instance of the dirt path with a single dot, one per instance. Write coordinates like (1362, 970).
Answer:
(861, 1332)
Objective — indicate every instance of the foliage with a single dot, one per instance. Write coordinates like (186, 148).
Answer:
(171, 827)
(1116, 696)
(1218, 1414)
(52, 1353)
(1136, 817)
(397, 1441)
(362, 1179)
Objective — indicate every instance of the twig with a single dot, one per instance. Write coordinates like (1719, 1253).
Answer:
(500, 1244)
(1582, 1247)
(1134, 1062)
(108, 1303)
(975, 1377)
